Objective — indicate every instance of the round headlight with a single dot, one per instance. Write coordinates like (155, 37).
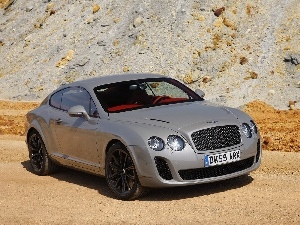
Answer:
(156, 143)
(175, 142)
(253, 127)
(246, 130)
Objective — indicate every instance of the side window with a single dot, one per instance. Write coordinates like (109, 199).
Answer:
(93, 110)
(69, 97)
(55, 99)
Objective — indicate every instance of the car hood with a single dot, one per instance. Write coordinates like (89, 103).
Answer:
(178, 116)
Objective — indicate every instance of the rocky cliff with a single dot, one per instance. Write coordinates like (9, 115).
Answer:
(236, 51)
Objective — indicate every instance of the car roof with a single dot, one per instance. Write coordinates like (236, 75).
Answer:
(108, 79)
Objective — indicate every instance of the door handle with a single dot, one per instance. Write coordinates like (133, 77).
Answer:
(58, 121)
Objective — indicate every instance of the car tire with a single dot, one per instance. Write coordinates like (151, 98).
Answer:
(120, 174)
(38, 156)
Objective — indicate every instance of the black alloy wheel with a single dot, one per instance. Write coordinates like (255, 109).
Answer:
(39, 160)
(120, 174)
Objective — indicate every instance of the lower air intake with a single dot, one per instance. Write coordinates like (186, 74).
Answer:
(216, 171)
(163, 168)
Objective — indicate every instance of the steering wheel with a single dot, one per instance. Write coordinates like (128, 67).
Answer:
(160, 98)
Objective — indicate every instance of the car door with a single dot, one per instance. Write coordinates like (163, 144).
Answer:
(76, 136)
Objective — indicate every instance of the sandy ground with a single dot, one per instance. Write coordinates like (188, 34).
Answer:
(270, 195)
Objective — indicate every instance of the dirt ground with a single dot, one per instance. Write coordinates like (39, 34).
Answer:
(269, 195)
(280, 129)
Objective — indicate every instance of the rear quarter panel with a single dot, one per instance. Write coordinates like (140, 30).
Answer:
(38, 119)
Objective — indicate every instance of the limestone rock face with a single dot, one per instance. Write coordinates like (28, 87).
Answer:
(250, 47)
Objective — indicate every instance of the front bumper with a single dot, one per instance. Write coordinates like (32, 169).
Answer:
(170, 168)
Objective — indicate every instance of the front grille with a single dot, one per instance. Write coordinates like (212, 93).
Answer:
(163, 168)
(216, 137)
(215, 171)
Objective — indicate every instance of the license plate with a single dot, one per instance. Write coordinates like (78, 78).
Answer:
(222, 158)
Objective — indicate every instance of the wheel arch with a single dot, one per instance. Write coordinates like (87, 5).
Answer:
(35, 127)
(139, 189)
(111, 143)
(135, 155)
(133, 137)
(29, 132)
(108, 145)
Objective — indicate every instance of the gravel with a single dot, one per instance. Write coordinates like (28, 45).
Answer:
(72, 197)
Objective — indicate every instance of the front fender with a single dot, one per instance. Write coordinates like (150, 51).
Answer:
(134, 136)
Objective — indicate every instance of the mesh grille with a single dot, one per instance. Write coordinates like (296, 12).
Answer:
(163, 168)
(215, 171)
(216, 137)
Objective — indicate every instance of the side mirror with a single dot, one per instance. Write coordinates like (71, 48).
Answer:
(200, 93)
(78, 111)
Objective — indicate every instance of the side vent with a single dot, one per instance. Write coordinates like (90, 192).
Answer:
(257, 151)
(163, 168)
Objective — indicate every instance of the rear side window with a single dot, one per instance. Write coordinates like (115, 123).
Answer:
(55, 99)
(69, 97)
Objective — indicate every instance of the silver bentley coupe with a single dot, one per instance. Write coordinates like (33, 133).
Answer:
(140, 131)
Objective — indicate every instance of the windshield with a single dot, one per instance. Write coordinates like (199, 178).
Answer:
(131, 95)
